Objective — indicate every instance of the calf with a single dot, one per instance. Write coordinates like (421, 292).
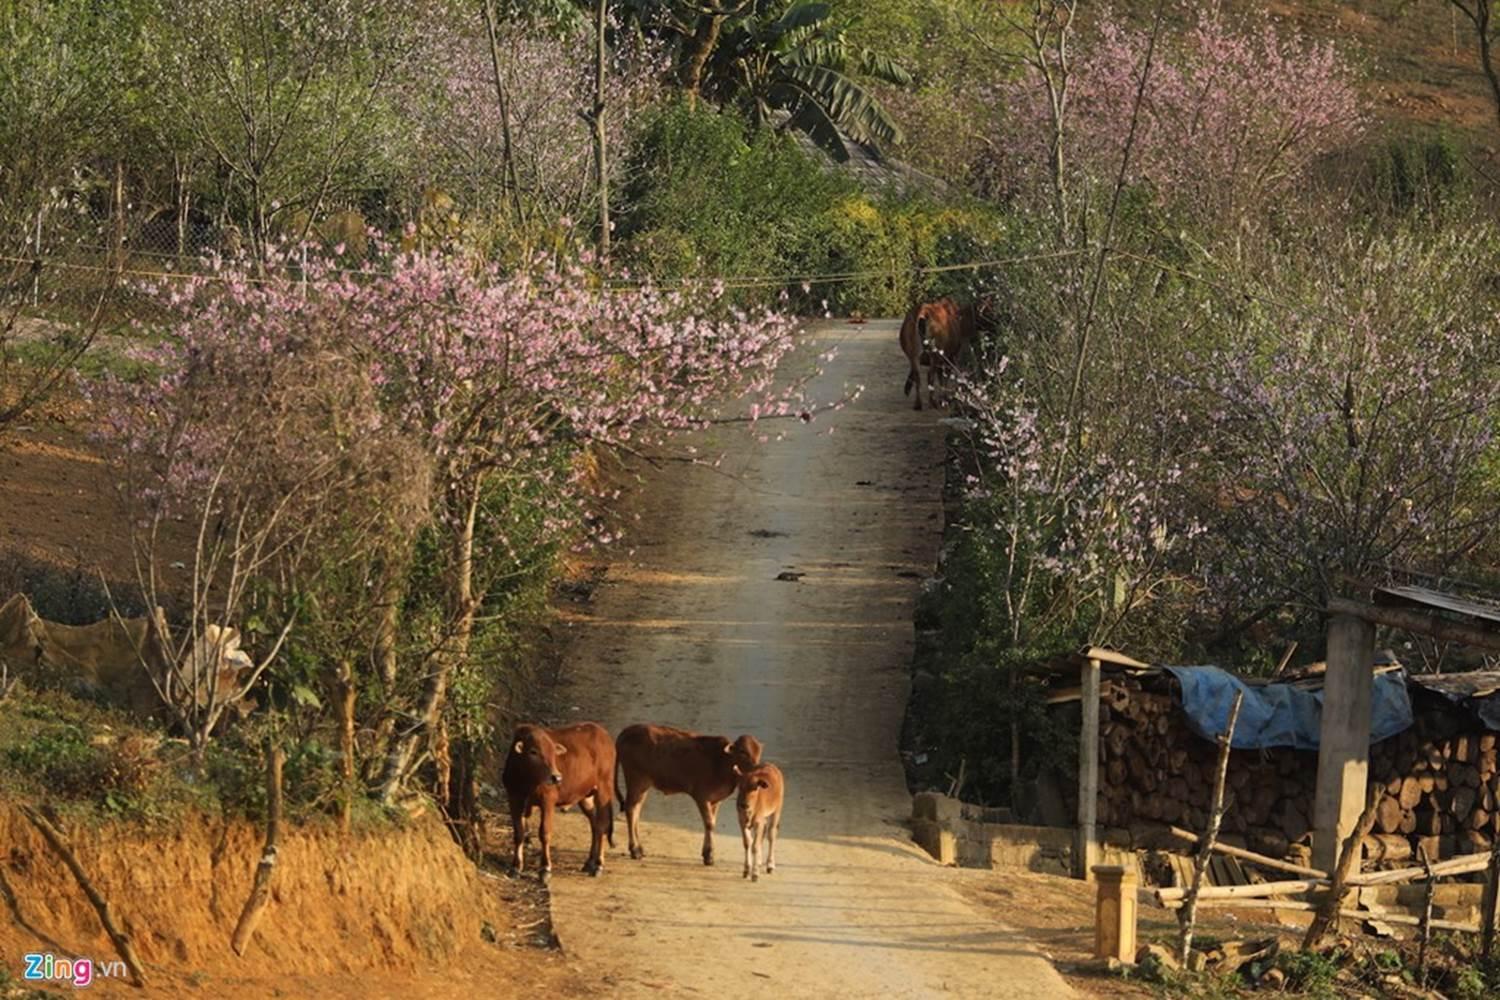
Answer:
(934, 334)
(552, 768)
(761, 792)
(677, 761)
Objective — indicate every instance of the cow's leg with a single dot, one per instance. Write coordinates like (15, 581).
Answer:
(544, 832)
(518, 830)
(635, 798)
(773, 828)
(757, 842)
(596, 813)
(589, 806)
(709, 811)
(913, 378)
(745, 836)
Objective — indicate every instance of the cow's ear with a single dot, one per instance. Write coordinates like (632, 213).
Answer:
(518, 748)
(762, 783)
(561, 750)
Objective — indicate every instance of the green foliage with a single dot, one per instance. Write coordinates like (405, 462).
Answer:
(792, 58)
(739, 200)
(1418, 173)
(979, 689)
(56, 746)
(1311, 973)
(711, 197)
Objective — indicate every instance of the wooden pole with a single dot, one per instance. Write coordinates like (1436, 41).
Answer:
(1353, 914)
(1189, 914)
(1088, 773)
(1343, 736)
(1426, 924)
(1462, 865)
(121, 940)
(1491, 895)
(260, 891)
(1243, 854)
(1416, 621)
(118, 198)
(1328, 912)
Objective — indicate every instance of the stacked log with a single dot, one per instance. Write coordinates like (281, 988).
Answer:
(1440, 791)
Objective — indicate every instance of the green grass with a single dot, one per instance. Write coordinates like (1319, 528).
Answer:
(107, 356)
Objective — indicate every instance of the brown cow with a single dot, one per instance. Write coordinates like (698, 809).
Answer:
(759, 803)
(934, 334)
(553, 768)
(677, 761)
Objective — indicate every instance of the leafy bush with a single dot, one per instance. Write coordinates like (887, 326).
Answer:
(741, 200)
(1310, 972)
(708, 198)
(1423, 173)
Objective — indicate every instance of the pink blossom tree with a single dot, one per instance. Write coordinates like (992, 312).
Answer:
(521, 155)
(457, 384)
(1234, 111)
(1352, 435)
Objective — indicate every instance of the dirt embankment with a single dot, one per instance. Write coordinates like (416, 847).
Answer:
(357, 916)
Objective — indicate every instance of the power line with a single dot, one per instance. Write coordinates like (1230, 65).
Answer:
(727, 281)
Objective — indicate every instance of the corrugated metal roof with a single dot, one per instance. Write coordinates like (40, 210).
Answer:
(1478, 691)
(1436, 600)
(1477, 684)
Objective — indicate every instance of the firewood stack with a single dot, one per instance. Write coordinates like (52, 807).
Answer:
(1441, 791)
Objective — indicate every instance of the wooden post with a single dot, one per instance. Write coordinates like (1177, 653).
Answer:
(1328, 910)
(1491, 896)
(1344, 739)
(118, 198)
(1426, 925)
(1189, 913)
(1088, 774)
(1115, 913)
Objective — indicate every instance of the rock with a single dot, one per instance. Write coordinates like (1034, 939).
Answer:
(1154, 960)
(1237, 954)
(1273, 979)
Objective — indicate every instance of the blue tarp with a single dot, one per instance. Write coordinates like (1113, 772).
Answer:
(1279, 715)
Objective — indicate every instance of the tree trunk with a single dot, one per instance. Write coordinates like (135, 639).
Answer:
(700, 47)
(344, 691)
(384, 657)
(507, 152)
(461, 604)
(601, 157)
(1480, 15)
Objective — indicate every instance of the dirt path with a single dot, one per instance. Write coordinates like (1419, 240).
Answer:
(694, 629)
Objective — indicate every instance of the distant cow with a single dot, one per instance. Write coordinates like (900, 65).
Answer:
(761, 793)
(676, 761)
(934, 334)
(552, 768)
